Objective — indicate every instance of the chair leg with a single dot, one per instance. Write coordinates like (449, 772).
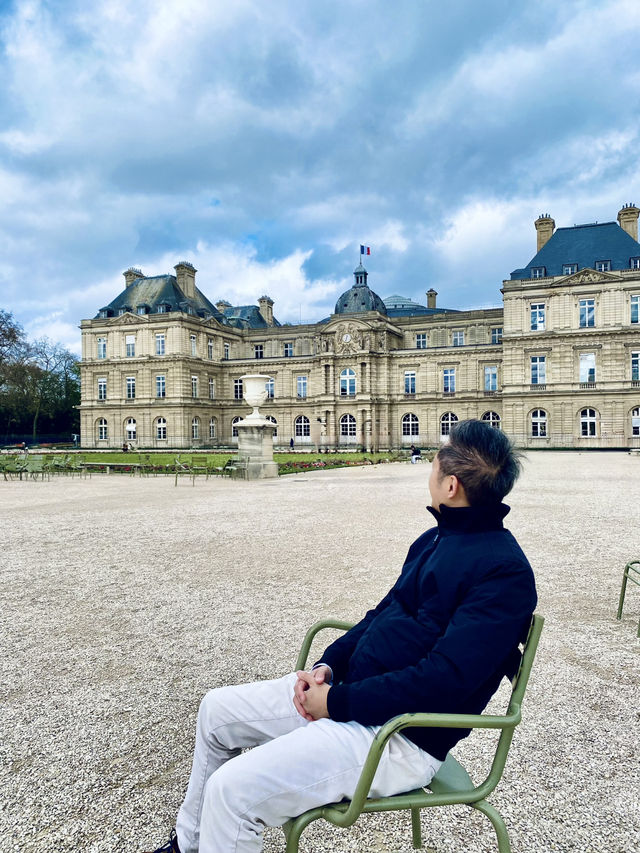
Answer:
(416, 829)
(622, 595)
(495, 817)
(294, 828)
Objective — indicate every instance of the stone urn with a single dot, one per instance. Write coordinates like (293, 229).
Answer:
(255, 434)
(255, 393)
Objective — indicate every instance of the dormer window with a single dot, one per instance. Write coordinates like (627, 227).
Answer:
(603, 266)
(161, 309)
(634, 263)
(569, 269)
(538, 272)
(142, 309)
(103, 313)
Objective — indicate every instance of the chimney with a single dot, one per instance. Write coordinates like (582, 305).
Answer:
(266, 309)
(544, 226)
(431, 298)
(186, 278)
(131, 275)
(628, 220)
(221, 304)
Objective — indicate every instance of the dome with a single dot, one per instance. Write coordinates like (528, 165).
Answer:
(360, 297)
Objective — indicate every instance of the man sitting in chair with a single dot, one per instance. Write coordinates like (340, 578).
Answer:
(441, 640)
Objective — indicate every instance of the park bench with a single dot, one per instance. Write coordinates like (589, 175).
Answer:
(452, 784)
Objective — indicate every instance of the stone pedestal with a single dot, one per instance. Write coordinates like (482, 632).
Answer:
(255, 451)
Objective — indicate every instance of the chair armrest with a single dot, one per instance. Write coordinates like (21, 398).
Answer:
(340, 624)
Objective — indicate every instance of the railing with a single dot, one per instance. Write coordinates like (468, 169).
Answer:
(585, 386)
(538, 386)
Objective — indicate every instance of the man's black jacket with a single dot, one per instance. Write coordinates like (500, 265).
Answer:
(444, 635)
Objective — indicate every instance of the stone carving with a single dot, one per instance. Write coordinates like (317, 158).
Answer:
(348, 338)
(587, 275)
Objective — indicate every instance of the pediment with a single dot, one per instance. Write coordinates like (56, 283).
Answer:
(587, 275)
(127, 319)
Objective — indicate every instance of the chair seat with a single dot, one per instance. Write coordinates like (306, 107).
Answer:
(452, 778)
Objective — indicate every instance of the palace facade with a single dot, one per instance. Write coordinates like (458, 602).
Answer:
(557, 366)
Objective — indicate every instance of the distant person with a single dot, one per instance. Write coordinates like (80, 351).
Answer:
(441, 640)
(291, 443)
(415, 454)
(125, 447)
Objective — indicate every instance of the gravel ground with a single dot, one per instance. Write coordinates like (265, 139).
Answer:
(125, 599)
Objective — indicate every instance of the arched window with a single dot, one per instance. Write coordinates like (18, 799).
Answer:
(539, 423)
(161, 428)
(447, 422)
(635, 421)
(103, 430)
(493, 418)
(347, 426)
(275, 422)
(348, 382)
(234, 427)
(588, 423)
(195, 428)
(302, 426)
(130, 429)
(213, 427)
(410, 424)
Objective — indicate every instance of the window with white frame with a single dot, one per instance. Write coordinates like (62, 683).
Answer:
(587, 367)
(210, 348)
(131, 429)
(141, 309)
(635, 421)
(449, 380)
(588, 423)
(538, 272)
(131, 387)
(194, 386)
(160, 344)
(275, 422)
(270, 387)
(195, 428)
(161, 309)
(457, 339)
(302, 426)
(102, 347)
(234, 427)
(347, 426)
(348, 382)
(103, 430)
(102, 389)
(258, 351)
(634, 263)
(227, 349)
(193, 342)
(491, 378)
(161, 429)
(409, 382)
(410, 424)
(569, 269)
(539, 423)
(161, 385)
(538, 369)
(421, 340)
(496, 335)
(237, 389)
(635, 308)
(130, 345)
(603, 266)
(447, 422)
(288, 350)
(587, 313)
(492, 418)
(301, 384)
(213, 428)
(635, 366)
(537, 316)
(212, 388)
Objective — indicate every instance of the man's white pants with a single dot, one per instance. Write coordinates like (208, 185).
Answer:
(294, 766)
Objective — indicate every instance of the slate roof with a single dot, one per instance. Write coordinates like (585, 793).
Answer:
(401, 306)
(246, 317)
(156, 290)
(583, 245)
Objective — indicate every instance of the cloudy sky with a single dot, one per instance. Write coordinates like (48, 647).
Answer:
(264, 140)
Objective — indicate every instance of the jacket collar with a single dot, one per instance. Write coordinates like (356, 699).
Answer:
(469, 519)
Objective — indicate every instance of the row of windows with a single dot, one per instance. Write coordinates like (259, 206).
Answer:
(287, 350)
(586, 313)
(588, 423)
(587, 368)
(570, 269)
(161, 387)
(160, 346)
(457, 338)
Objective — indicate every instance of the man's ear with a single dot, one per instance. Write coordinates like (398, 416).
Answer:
(453, 486)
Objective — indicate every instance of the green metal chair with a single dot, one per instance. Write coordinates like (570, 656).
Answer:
(631, 573)
(452, 784)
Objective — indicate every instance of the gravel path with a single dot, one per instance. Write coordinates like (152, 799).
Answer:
(124, 600)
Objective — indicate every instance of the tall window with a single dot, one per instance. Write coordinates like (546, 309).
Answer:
(234, 427)
(131, 387)
(492, 418)
(212, 388)
(347, 426)
(348, 382)
(409, 382)
(210, 348)
(192, 340)
(587, 313)
(539, 423)
(258, 351)
(496, 335)
(194, 386)
(227, 349)
(130, 344)
(449, 381)
(587, 367)
(275, 422)
(635, 366)
(538, 369)
(103, 430)
(588, 423)
(491, 378)
(130, 429)
(458, 339)
(195, 428)
(302, 426)
(447, 422)
(635, 422)
(237, 389)
(421, 340)
(302, 386)
(635, 309)
(213, 427)
(288, 350)
(102, 347)
(270, 386)
(537, 316)
(410, 424)
(160, 344)
(102, 389)
(161, 428)
(161, 385)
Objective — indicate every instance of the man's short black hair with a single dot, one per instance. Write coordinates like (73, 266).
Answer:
(483, 459)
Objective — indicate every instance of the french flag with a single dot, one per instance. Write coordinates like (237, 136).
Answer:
(365, 250)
